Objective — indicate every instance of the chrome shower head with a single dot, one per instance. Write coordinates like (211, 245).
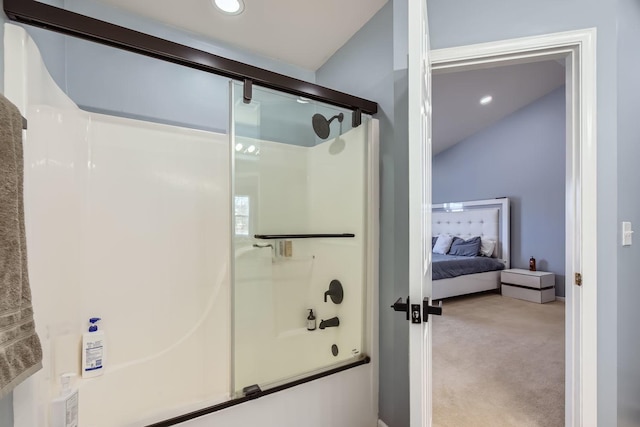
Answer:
(321, 124)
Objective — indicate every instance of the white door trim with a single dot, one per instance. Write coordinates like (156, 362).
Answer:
(579, 47)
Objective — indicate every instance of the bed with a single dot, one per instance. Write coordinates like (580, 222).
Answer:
(461, 275)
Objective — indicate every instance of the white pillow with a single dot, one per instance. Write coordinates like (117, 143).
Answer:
(443, 244)
(487, 246)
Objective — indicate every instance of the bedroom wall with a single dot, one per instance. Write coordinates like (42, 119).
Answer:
(629, 210)
(521, 157)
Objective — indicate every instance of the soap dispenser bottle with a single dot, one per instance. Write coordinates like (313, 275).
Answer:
(311, 321)
(64, 409)
(93, 350)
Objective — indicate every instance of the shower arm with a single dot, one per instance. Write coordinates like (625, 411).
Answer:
(340, 117)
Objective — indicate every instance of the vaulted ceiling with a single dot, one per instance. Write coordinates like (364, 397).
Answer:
(457, 112)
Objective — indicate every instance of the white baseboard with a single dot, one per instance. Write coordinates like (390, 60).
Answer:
(382, 424)
(559, 298)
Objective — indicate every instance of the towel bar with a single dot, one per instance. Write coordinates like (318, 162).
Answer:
(302, 236)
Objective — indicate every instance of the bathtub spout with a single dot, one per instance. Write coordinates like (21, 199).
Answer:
(334, 322)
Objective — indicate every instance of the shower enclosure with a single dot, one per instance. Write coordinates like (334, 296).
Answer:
(207, 248)
(299, 237)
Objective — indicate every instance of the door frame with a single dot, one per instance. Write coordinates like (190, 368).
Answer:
(579, 49)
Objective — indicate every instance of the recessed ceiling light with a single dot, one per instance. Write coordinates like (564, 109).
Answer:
(230, 7)
(486, 99)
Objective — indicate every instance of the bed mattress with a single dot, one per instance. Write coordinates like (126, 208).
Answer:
(448, 266)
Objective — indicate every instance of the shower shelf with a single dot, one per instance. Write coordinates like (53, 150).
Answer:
(302, 236)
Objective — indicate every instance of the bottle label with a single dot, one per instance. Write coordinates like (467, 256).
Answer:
(71, 411)
(93, 355)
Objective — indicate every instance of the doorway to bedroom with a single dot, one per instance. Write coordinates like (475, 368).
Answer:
(499, 131)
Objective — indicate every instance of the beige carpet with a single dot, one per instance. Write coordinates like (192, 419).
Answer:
(498, 361)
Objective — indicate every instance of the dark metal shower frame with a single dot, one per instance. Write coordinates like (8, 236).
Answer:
(53, 18)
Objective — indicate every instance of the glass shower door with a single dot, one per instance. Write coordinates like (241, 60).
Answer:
(299, 236)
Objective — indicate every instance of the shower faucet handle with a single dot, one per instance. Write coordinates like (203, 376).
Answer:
(335, 292)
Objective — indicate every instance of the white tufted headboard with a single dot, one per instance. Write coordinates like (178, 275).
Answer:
(488, 219)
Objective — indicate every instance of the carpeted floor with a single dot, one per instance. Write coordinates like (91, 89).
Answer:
(498, 361)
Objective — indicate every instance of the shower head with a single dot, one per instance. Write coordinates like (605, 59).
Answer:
(321, 124)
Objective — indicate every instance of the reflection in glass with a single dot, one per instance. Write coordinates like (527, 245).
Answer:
(242, 215)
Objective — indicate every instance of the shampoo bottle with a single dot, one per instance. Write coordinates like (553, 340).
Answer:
(311, 321)
(93, 350)
(64, 409)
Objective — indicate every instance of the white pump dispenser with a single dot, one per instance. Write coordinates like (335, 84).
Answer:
(93, 350)
(64, 409)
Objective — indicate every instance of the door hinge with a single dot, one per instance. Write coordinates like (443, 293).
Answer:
(578, 279)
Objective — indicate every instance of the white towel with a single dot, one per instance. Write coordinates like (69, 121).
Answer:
(20, 350)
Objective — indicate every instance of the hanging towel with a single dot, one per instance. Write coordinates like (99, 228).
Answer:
(20, 350)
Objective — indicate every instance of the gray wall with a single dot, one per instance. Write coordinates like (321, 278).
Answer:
(629, 210)
(6, 411)
(521, 157)
(461, 22)
(365, 67)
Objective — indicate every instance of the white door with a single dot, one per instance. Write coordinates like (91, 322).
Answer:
(419, 78)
